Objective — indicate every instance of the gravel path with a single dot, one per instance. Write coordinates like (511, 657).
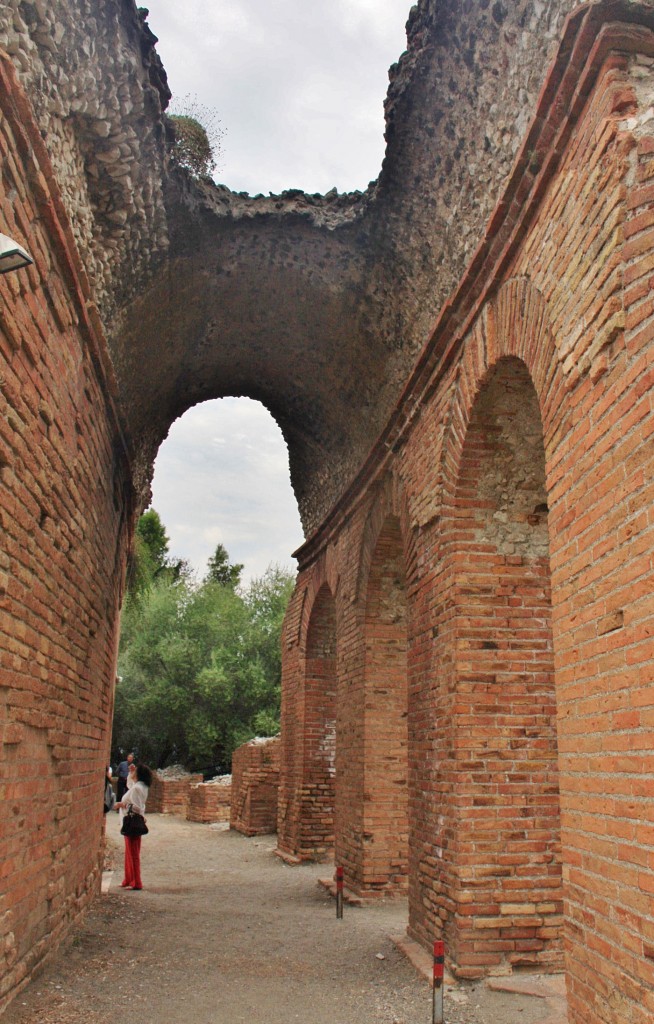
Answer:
(225, 932)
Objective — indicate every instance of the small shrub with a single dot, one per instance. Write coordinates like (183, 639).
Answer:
(198, 136)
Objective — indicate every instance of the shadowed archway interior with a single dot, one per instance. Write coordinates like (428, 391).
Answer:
(506, 758)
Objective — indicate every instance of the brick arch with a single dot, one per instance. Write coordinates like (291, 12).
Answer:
(388, 499)
(320, 577)
(309, 669)
(496, 540)
(516, 322)
(319, 753)
(383, 865)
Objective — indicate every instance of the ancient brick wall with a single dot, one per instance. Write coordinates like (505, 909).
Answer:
(64, 507)
(210, 801)
(516, 479)
(171, 796)
(467, 659)
(255, 782)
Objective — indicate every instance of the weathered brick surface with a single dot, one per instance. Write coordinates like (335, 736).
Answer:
(171, 796)
(255, 782)
(64, 504)
(508, 525)
(468, 704)
(209, 802)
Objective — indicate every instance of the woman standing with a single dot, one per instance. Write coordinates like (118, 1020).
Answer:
(134, 799)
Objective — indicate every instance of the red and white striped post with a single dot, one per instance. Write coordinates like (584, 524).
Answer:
(437, 987)
(339, 892)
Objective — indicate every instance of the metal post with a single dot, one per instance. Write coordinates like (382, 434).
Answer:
(437, 988)
(339, 892)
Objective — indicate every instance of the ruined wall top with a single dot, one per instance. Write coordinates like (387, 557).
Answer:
(316, 305)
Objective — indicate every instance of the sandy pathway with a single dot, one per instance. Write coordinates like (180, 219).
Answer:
(225, 932)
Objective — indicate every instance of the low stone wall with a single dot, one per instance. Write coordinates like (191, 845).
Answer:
(171, 796)
(255, 782)
(210, 801)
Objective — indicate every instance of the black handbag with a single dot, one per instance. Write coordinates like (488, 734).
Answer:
(133, 825)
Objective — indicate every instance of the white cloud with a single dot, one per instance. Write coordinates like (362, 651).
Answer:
(236, 493)
(298, 87)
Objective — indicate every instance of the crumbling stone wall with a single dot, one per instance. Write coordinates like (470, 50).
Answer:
(97, 91)
(255, 781)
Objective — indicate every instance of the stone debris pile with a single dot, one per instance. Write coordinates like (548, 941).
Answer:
(220, 780)
(173, 771)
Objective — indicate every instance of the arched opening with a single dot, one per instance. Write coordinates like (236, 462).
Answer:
(508, 878)
(200, 662)
(222, 476)
(317, 836)
(385, 763)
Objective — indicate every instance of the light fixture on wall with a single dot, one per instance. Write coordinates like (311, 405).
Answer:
(12, 255)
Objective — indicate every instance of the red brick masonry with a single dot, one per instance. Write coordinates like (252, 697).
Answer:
(486, 587)
(65, 501)
(171, 796)
(468, 705)
(255, 781)
(210, 801)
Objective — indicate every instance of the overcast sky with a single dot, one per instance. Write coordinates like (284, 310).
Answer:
(298, 91)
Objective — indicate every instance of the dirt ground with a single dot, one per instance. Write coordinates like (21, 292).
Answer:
(223, 932)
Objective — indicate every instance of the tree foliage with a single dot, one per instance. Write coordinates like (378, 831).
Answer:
(221, 570)
(199, 664)
(149, 559)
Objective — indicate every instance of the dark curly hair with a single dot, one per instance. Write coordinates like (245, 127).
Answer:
(143, 774)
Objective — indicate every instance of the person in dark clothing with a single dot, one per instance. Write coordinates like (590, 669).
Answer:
(123, 772)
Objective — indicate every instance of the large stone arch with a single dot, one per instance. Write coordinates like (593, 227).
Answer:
(266, 307)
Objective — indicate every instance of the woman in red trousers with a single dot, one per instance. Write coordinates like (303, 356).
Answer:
(135, 799)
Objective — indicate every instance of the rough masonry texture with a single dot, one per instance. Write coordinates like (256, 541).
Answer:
(255, 783)
(461, 359)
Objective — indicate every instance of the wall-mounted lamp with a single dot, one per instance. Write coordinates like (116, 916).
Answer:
(12, 255)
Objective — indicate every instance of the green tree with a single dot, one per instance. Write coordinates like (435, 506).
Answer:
(150, 530)
(221, 570)
(149, 560)
(192, 147)
(200, 667)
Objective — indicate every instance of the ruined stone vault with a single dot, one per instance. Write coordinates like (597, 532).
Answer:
(316, 305)
(460, 361)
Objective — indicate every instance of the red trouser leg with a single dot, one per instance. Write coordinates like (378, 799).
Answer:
(136, 861)
(128, 878)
